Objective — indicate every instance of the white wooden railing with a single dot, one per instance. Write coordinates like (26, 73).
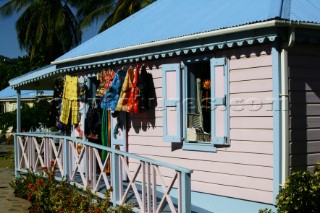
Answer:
(150, 185)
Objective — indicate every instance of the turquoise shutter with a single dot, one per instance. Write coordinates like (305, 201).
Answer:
(219, 102)
(171, 93)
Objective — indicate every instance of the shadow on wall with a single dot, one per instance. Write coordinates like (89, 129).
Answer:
(304, 111)
(146, 118)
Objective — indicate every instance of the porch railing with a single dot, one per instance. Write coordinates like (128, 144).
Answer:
(149, 185)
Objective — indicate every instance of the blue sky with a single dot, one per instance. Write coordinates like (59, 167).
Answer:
(9, 46)
(8, 38)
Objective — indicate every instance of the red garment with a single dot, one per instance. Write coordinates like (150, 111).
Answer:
(105, 78)
(108, 77)
(133, 101)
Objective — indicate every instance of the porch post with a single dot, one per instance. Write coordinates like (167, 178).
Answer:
(18, 111)
(66, 159)
(115, 178)
(16, 145)
(185, 189)
(16, 156)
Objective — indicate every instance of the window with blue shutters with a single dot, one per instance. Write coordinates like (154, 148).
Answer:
(200, 118)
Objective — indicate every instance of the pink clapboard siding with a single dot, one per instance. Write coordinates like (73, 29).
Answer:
(245, 169)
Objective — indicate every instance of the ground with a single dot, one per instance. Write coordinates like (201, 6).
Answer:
(8, 202)
(6, 156)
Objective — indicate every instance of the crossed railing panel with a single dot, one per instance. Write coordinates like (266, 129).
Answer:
(145, 183)
(38, 152)
(149, 178)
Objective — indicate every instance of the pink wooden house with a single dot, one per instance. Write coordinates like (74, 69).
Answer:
(236, 106)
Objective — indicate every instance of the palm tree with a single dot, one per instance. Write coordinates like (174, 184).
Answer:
(45, 27)
(110, 11)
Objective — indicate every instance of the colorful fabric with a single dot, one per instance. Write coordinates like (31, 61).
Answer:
(133, 101)
(105, 78)
(69, 100)
(110, 99)
(125, 91)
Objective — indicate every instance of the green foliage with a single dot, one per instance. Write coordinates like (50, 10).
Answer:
(48, 195)
(7, 120)
(31, 117)
(266, 211)
(301, 192)
(45, 28)
(39, 113)
(20, 184)
(111, 12)
(11, 68)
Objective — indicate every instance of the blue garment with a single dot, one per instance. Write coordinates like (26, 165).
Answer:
(111, 97)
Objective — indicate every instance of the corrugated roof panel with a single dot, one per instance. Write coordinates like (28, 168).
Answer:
(8, 93)
(305, 10)
(166, 19)
(33, 74)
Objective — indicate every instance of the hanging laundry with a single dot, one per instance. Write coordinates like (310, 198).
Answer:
(93, 121)
(105, 77)
(125, 91)
(82, 88)
(69, 100)
(146, 89)
(133, 101)
(110, 99)
(108, 104)
(105, 131)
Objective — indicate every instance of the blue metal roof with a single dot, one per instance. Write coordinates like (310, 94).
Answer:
(9, 93)
(35, 74)
(167, 19)
(305, 10)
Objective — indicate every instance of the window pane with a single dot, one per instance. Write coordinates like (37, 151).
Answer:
(199, 95)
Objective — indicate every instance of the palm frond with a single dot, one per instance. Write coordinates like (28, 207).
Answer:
(95, 16)
(144, 3)
(121, 12)
(48, 28)
(73, 25)
(14, 6)
(105, 25)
